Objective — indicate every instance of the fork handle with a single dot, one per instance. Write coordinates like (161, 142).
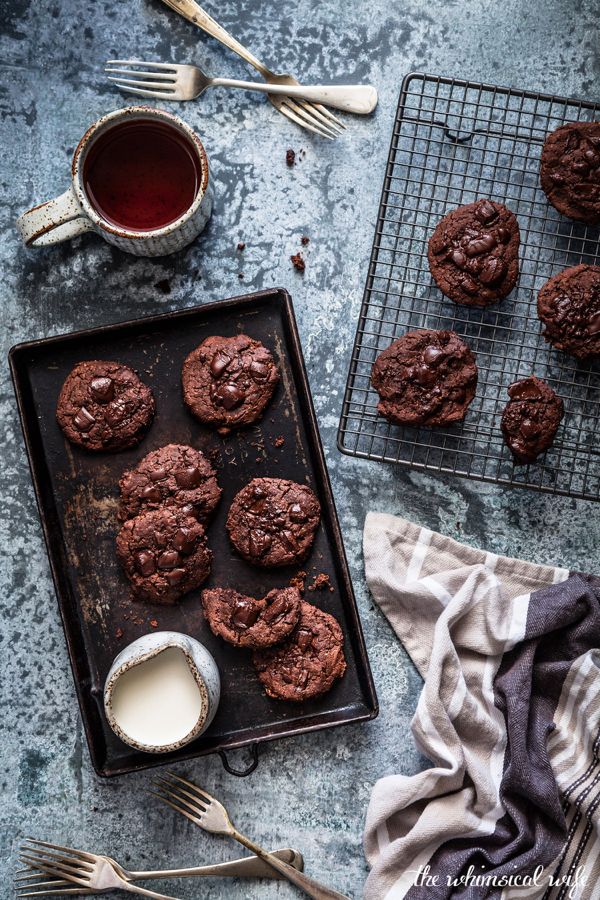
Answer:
(136, 889)
(310, 887)
(194, 13)
(354, 98)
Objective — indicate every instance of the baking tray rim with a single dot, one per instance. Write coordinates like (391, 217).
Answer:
(278, 294)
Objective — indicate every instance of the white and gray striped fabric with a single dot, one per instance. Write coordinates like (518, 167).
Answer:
(509, 716)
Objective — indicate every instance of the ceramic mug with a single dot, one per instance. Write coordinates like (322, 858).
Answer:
(73, 213)
(201, 666)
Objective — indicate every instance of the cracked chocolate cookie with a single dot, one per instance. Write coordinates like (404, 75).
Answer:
(570, 170)
(308, 663)
(172, 476)
(425, 378)
(474, 253)
(531, 418)
(228, 381)
(272, 522)
(569, 308)
(248, 622)
(164, 555)
(104, 406)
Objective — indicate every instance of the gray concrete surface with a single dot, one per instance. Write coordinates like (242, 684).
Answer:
(312, 791)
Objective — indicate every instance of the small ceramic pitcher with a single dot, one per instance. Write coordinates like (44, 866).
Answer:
(201, 666)
(72, 213)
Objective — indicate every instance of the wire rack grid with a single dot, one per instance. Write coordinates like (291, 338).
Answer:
(454, 142)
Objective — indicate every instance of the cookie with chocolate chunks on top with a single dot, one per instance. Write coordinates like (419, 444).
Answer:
(164, 554)
(531, 418)
(570, 170)
(174, 476)
(309, 663)
(228, 381)
(425, 378)
(249, 622)
(104, 406)
(569, 308)
(474, 253)
(272, 522)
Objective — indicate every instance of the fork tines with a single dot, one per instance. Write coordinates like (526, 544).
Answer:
(164, 77)
(56, 868)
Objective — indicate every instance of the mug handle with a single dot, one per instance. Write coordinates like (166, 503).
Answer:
(53, 221)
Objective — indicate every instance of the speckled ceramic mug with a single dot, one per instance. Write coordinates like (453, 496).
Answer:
(72, 213)
(202, 667)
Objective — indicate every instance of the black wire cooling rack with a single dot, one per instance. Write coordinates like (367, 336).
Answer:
(453, 142)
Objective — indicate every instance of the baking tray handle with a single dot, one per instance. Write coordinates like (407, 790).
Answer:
(241, 773)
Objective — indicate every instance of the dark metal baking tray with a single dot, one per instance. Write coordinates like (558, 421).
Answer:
(452, 142)
(77, 496)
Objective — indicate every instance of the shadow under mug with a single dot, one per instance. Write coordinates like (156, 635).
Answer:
(72, 213)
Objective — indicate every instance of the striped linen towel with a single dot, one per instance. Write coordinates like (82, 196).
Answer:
(509, 716)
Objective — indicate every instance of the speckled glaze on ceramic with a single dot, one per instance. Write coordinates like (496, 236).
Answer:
(72, 213)
(202, 666)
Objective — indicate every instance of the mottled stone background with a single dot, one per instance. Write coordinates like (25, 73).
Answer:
(310, 792)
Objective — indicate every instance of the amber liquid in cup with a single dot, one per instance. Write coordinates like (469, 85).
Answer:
(142, 175)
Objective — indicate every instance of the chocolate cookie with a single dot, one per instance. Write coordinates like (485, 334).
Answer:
(569, 307)
(308, 663)
(272, 522)
(164, 554)
(228, 381)
(474, 253)
(425, 378)
(172, 476)
(570, 170)
(531, 418)
(104, 406)
(247, 622)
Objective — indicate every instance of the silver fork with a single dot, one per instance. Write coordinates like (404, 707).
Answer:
(312, 116)
(81, 869)
(173, 81)
(203, 810)
(32, 882)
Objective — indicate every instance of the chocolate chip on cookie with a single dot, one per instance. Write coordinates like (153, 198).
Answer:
(569, 308)
(308, 663)
(228, 381)
(570, 170)
(272, 522)
(104, 406)
(425, 378)
(474, 253)
(531, 418)
(164, 555)
(172, 476)
(248, 622)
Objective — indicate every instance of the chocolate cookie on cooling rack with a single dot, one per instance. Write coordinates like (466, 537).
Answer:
(474, 253)
(425, 378)
(531, 418)
(569, 308)
(570, 170)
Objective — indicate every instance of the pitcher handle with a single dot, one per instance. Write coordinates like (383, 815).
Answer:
(53, 221)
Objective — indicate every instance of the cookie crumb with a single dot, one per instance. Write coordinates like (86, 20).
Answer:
(279, 441)
(298, 262)
(299, 580)
(153, 623)
(163, 285)
(290, 157)
(119, 633)
(321, 582)
(241, 276)
(241, 246)
(305, 240)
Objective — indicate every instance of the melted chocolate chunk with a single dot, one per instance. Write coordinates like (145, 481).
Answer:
(84, 420)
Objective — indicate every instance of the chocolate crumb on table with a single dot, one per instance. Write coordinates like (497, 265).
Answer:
(241, 246)
(298, 580)
(163, 285)
(290, 157)
(279, 441)
(305, 240)
(321, 582)
(298, 262)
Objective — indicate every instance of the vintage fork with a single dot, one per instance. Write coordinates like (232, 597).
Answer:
(312, 116)
(33, 883)
(173, 81)
(81, 869)
(202, 809)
